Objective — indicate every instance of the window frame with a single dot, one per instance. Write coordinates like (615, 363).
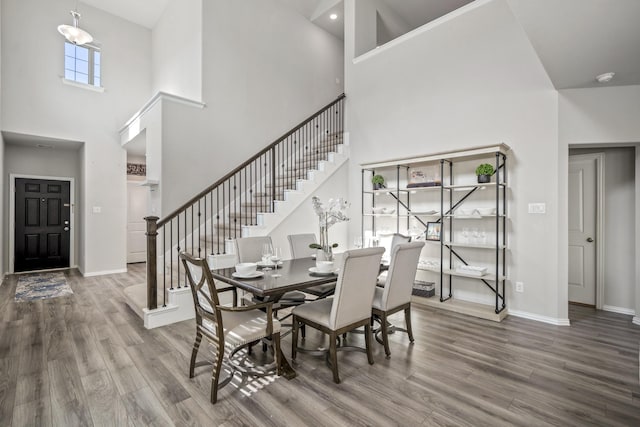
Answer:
(92, 49)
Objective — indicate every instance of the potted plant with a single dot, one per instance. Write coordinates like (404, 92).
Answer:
(484, 172)
(378, 182)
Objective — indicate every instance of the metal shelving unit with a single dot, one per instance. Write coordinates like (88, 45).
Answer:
(453, 197)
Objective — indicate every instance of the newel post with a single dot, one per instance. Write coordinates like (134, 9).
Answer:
(152, 260)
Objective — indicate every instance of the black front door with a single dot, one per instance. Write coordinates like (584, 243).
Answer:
(42, 224)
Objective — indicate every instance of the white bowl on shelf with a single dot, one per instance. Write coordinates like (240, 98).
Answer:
(464, 212)
(378, 210)
(486, 211)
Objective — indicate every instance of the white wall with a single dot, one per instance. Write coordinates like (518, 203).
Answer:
(176, 43)
(264, 71)
(28, 160)
(36, 102)
(602, 117)
(462, 82)
(619, 214)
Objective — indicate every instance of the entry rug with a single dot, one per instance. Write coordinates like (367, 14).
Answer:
(37, 286)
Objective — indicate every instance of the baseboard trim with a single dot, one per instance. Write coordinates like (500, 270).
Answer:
(620, 310)
(539, 318)
(103, 273)
(636, 320)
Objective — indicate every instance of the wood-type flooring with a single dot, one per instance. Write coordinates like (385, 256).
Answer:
(87, 360)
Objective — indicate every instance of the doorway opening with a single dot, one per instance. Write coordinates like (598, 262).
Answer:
(41, 217)
(604, 196)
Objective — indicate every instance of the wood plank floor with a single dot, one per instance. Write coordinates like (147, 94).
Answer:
(87, 360)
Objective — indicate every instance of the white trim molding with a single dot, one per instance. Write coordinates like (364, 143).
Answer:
(159, 96)
(103, 273)
(620, 310)
(539, 318)
(636, 320)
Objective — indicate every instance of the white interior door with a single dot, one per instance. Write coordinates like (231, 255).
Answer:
(136, 226)
(582, 229)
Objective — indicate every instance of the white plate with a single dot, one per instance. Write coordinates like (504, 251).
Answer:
(248, 276)
(314, 270)
(271, 264)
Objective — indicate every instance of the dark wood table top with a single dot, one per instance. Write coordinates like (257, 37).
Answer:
(294, 273)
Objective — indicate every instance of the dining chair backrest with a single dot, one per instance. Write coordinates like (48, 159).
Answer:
(401, 275)
(397, 239)
(249, 249)
(203, 290)
(299, 245)
(355, 287)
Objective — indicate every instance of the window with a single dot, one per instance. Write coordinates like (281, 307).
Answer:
(82, 64)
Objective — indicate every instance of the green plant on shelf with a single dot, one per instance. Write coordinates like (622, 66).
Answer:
(485, 169)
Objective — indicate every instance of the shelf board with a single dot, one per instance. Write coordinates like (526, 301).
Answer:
(481, 311)
(473, 245)
(429, 213)
(471, 186)
(468, 154)
(448, 272)
(419, 189)
(386, 215)
(149, 182)
(472, 216)
(385, 191)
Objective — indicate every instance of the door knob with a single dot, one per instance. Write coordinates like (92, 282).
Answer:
(66, 229)
(589, 239)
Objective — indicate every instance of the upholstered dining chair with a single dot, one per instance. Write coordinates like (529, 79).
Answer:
(396, 294)
(229, 329)
(395, 240)
(249, 249)
(348, 309)
(299, 245)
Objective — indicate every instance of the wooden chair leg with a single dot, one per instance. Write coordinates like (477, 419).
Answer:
(333, 357)
(367, 339)
(384, 328)
(303, 329)
(294, 338)
(407, 320)
(215, 375)
(277, 352)
(194, 353)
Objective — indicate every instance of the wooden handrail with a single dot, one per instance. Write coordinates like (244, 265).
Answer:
(210, 188)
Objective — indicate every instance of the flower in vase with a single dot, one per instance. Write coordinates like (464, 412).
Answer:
(328, 215)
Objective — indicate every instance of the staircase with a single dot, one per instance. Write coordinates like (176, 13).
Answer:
(251, 200)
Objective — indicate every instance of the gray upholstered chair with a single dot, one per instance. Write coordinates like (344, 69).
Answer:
(396, 294)
(229, 329)
(348, 309)
(299, 245)
(249, 249)
(395, 240)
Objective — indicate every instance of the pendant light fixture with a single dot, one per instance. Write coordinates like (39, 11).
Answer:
(73, 33)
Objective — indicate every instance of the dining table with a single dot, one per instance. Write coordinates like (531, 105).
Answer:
(269, 284)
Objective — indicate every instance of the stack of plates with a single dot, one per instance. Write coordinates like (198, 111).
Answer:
(471, 270)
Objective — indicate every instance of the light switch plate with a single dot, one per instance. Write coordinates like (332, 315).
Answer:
(97, 209)
(537, 208)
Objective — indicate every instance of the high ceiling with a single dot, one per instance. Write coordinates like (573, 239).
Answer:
(576, 40)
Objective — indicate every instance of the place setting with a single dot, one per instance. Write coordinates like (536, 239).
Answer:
(323, 268)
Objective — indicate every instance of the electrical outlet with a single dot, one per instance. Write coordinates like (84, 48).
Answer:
(519, 287)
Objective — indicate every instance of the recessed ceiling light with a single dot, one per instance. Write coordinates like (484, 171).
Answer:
(333, 16)
(605, 78)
